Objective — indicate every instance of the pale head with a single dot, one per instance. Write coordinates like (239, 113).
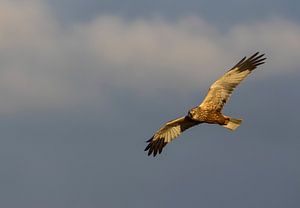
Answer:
(192, 112)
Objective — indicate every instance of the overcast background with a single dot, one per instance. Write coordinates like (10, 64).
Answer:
(84, 83)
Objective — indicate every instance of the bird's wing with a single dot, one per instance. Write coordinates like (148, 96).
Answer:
(168, 132)
(220, 90)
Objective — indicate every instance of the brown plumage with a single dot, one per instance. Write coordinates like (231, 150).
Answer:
(209, 111)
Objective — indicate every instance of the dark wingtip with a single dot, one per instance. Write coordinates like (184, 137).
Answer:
(252, 62)
(149, 140)
(155, 146)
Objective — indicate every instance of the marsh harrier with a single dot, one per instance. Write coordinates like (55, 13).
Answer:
(210, 110)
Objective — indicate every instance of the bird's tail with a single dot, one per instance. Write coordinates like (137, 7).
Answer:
(233, 123)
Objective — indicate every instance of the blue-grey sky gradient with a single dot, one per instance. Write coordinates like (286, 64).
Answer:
(84, 84)
(221, 13)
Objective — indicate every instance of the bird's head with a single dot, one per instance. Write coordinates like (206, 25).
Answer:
(192, 112)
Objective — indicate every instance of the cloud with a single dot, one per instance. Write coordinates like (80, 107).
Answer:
(45, 65)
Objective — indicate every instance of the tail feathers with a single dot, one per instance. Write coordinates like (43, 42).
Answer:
(233, 123)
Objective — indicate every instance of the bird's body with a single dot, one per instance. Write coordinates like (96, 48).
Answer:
(207, 116)
(210, 110)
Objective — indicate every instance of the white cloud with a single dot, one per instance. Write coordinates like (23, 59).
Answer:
(44, 65)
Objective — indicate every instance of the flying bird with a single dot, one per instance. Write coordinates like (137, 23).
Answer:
(210, 110)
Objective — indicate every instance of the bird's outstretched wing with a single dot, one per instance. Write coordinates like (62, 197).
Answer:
(167, 133)
(220, 90)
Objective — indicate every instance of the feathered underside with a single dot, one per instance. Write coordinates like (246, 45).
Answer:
(168, 132)
(220, 91)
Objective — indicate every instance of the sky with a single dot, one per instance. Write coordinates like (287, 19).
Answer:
(84, 84)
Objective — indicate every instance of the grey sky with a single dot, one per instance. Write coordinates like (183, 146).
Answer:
(221, 13)
(81, 92)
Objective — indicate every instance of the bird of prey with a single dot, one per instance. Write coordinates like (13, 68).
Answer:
(210, 110)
